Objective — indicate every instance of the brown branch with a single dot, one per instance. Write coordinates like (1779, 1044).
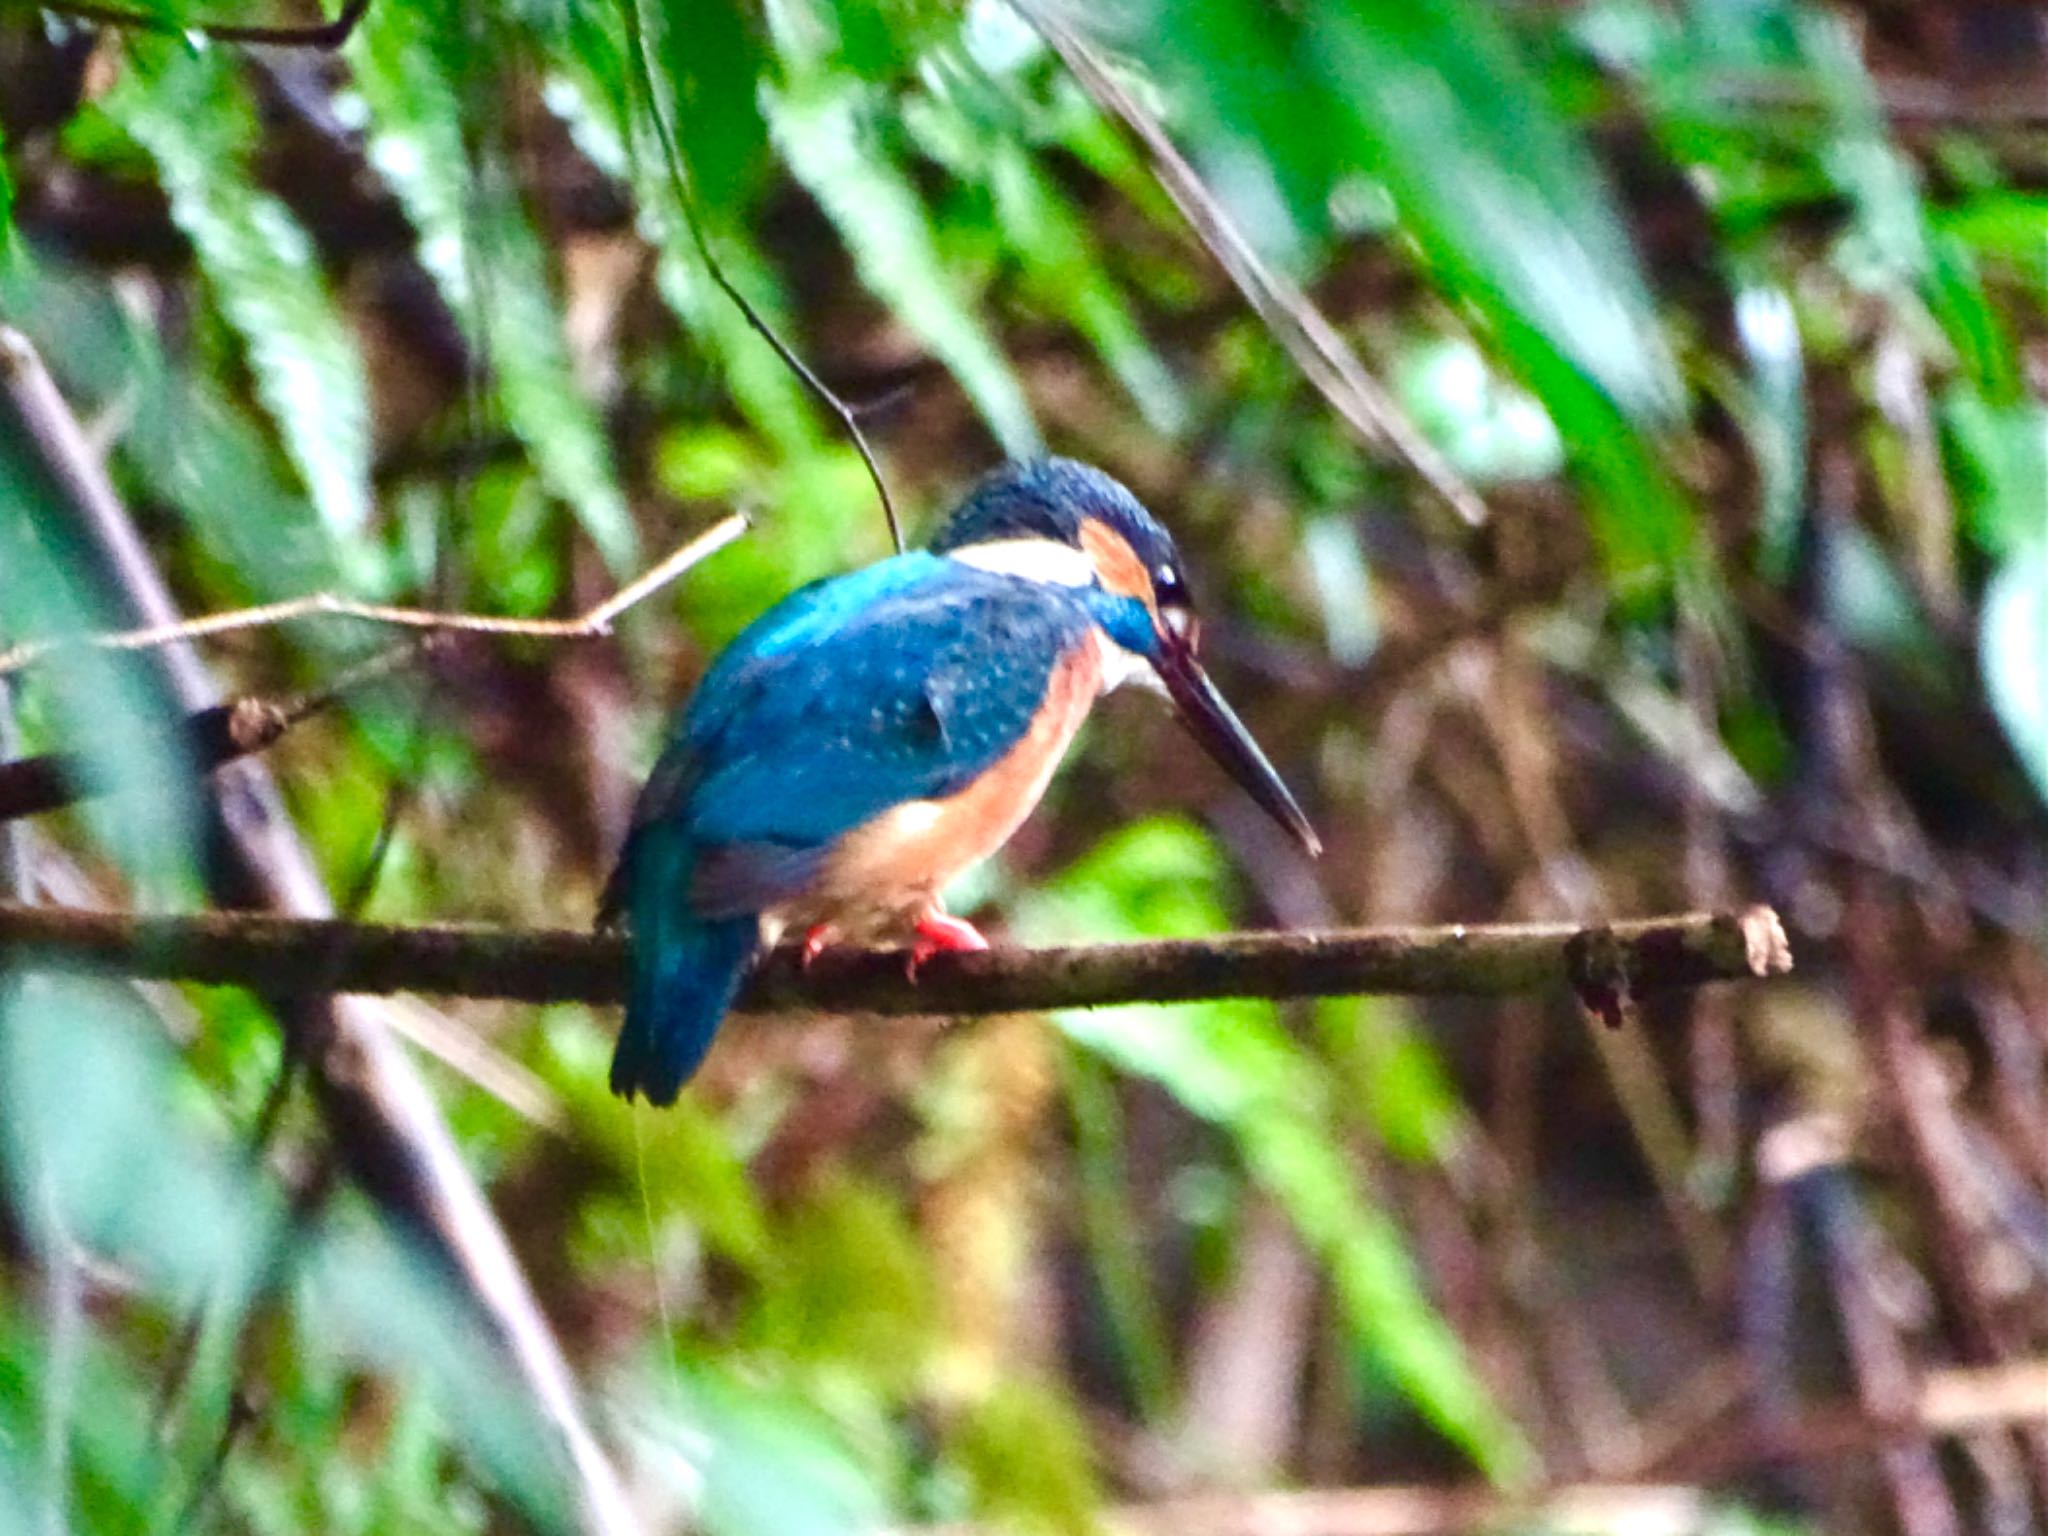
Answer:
(274, 953)
(1949, 1402)
(326, 37)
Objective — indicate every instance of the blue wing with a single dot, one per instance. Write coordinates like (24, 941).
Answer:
(906, 687)
(903, 681)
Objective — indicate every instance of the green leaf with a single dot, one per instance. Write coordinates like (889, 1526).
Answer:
(883, 222)
(391, 1306)
(1998, 457)
(2014, 646)
(678, 1165)
(1062, 264)
(14, 1501)
(1775, 418)
(118, 1465)
(85, 1079)
(850, 1286)
(711, 55)
(755, 1458)
(1400, 1081)
(1115, 1237)
(10, 242)
(190, 111)
(1505, 200)
(1957, 297)
(761, 384)
(1028, 1458)
(109, 708)
(191, 444)
(484, 255)
(1233, 1064)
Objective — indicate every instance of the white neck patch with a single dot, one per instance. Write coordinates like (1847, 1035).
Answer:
(1120, 666)
(1041, 560)
(1061, 565)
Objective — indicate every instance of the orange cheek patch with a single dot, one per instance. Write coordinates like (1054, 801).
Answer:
(1121, 569)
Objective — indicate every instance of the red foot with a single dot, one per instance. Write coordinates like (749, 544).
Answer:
(816, 941)
(936, 934)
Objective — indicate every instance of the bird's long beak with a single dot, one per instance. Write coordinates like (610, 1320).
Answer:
(1212, 722)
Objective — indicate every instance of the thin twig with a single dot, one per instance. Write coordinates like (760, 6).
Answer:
(325, 37)
(222, 733)
(562, 965)
(1317, 347)
(591, 625)
(693, 220)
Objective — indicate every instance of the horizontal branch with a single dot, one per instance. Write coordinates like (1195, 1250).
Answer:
(1604, 964)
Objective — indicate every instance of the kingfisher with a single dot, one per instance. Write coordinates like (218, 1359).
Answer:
(875, 734)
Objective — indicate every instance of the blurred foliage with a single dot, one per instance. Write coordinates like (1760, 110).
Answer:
(1732, 309)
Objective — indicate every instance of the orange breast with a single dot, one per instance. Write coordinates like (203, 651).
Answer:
(893, 867)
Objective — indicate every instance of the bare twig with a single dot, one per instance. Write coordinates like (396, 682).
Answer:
(326, 37)
(222, 733)
(557, 965)
(591, 625)
(1317, 347)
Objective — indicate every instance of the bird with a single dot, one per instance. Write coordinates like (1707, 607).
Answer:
(876, 733)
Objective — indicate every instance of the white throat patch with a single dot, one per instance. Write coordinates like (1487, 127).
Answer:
(1120, 666)
(1042, 560)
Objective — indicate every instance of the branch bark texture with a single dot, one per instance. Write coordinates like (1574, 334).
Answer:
(285, 954)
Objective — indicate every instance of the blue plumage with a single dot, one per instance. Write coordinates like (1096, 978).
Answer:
(903, 681)
(872, 734)
(821, 716)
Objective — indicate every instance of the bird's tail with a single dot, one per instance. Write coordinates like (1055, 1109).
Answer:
(686, 972)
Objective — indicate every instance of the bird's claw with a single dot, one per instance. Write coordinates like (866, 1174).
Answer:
(937, 933)
(816, 941)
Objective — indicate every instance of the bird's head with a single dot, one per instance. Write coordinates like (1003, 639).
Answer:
(1070, 526)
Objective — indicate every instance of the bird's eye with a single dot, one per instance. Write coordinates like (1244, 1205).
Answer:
(1166, 585)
